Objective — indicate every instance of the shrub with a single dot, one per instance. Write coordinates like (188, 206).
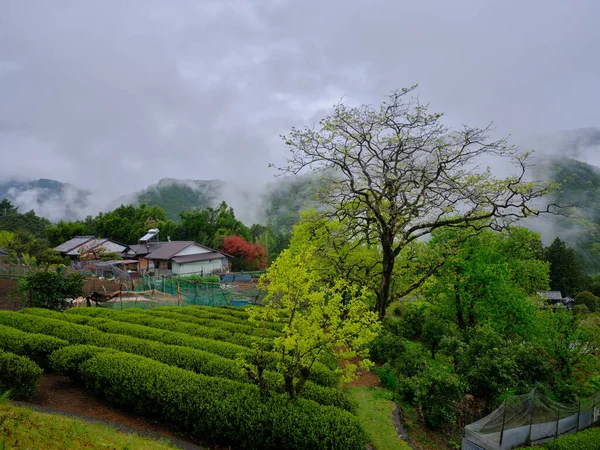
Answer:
(68, 360)
(189, 316)
(18, 374)
(219, 313)
(218, 409)
(167, 321)
(388, 345)
(412, 317)
(320, 374)
(588, 299)
(435, 392)
(37, 347)
(580, 309)
(50, 289)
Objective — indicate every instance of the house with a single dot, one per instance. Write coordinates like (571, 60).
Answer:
(186, 258)
(146, 245)
(86, 245)
(556, 299)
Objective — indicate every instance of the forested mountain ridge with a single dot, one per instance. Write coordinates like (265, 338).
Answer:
(48, 198)
(579, 189)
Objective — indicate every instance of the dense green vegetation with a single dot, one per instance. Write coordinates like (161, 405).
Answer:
(19, 375)
(184, 378)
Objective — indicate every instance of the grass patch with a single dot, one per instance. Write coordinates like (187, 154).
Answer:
(375, 414)
(24, 428)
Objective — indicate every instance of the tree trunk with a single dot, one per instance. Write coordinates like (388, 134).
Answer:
(383, 296)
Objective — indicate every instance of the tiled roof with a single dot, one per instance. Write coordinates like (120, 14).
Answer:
(71, 244)
(170, 249)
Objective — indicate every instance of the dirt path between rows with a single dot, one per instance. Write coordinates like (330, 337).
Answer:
(59, 393)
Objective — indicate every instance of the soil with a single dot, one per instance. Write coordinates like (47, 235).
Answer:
(60, 393)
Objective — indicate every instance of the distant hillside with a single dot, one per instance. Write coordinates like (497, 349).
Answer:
(174, 196)
(580, 187)
(48, 198)
(278, 202)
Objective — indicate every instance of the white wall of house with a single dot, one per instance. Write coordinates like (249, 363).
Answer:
(205, 267)
(192, 250)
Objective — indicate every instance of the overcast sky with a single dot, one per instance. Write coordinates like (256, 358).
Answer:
(114, 95)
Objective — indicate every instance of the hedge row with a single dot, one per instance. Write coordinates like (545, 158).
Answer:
(249, 333)
(218, 366)
(322, 371)
(206, 314)
(222, 410)
(19, 375)
(147, 327)
(196, 360)
(218, 313)
(37, 347)
(166, 322)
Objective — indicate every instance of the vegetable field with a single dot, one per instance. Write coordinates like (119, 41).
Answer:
(186, 365)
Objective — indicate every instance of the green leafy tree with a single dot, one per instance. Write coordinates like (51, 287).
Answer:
(62, 231)
(396, 173)
(566, 272)
(51, 289)
(589, 300)
(482, 281)
(317, 317)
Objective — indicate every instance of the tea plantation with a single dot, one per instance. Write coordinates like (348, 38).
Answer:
(181, 364)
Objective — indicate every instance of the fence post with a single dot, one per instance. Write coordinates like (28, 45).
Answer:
(503, 420)
(579, 410)
(557, 420)
(531, 418)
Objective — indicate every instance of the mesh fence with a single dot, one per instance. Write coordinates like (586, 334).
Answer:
(158, 291)
(530, 419)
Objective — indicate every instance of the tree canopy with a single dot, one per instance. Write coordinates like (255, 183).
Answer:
(395, 174)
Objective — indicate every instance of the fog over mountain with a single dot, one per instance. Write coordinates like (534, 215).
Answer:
(112, 96)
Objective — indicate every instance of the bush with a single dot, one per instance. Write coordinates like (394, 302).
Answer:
(68, 360)
(219, 313)
(580, 309)
(387, 346)
(51, 289)
(37, 347)
(167, 322)
(435, 392)
(412, 317)
(320, 374)
(214, 408)
(18, 374)
(588, 299)
(187, 315)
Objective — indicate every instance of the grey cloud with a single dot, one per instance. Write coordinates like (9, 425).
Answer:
(112, 96)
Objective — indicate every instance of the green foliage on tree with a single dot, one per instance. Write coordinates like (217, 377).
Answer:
(51, 289)
(318, 317)
(12, 220)
(589, 300)
(395, 174)
(566, 271)
(483, 280)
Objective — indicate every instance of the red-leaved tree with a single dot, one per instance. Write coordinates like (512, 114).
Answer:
(247, 256)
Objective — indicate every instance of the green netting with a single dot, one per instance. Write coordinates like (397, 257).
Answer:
(158, 291)
(531, 418)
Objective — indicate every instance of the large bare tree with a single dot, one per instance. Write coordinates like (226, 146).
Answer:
(396, 173)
